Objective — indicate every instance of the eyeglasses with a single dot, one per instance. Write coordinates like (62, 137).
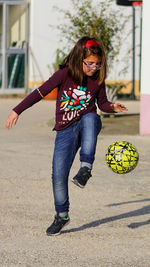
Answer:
(92, 65)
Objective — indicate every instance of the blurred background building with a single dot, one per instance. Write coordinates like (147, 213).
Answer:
(28, 45)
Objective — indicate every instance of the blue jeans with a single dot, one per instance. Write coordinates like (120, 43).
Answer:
(82, 133)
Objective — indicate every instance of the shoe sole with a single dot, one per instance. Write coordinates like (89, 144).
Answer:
(59, 231)
(77, 183)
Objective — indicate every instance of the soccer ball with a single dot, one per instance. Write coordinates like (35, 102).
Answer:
(121, 157)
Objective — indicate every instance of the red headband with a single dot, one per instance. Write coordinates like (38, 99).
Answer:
(91, 43)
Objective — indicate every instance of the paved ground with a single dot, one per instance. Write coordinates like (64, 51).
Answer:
(110, 218)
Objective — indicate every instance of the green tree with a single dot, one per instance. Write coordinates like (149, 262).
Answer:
(95, 19)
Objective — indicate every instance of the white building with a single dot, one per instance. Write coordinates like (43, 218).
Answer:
(26, 35)
(27, 43)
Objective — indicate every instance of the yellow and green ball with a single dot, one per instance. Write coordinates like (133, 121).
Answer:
(121, 157)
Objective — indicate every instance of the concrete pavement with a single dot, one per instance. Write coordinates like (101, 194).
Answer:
(110, 218)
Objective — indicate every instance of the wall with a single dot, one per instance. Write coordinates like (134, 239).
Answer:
(44, 36)
(41, 41)
(145, 80)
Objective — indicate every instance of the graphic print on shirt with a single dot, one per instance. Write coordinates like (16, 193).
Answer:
(73, 101)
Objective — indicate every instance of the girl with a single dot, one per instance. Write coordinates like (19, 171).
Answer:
(81, 84)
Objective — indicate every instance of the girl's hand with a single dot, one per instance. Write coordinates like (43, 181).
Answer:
(12, 119)
(117, 107)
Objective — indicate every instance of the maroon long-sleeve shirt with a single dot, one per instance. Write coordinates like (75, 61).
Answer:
(73, 100)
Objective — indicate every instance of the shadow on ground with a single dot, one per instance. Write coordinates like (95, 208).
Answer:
(120, 125)
(138, 212)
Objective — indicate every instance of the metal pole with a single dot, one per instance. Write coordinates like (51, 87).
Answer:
(27, 51)
(140, 48)
(4, 47)
(133, 60)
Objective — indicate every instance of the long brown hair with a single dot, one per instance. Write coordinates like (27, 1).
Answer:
(74, 60)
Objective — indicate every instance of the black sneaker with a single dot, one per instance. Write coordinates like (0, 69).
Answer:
(82, 177)
(57, 225)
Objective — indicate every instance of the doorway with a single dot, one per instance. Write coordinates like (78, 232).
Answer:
(14, 35)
